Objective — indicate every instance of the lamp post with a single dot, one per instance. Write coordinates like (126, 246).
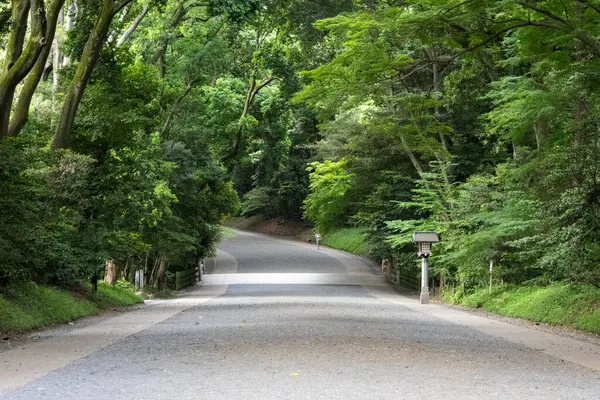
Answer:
(424, 240)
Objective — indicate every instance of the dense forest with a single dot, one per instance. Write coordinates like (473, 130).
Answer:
(131, 128)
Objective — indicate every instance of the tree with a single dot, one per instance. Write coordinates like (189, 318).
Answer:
(89, 57)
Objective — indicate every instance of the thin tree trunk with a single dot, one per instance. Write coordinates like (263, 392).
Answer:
(89, 58)
(57, 57)
(133, 26)
(411, 155)
(155, 264)
(111, 35)
(580, 108)
(487, 64)
(56, 64)
(21, 112)
(437, 87)
(70, 20)
(168, 122)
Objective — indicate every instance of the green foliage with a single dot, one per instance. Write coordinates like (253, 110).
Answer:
(329, 185)
(475, 120)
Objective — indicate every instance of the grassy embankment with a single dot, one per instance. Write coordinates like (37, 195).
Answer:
(557, 304)
(30, 306)
(347, 239)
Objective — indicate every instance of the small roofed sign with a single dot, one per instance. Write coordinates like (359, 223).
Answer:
(425, 237)
(424, 240)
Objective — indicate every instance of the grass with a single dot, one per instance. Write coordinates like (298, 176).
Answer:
(30, 306)
(557, 304)
(348, 239)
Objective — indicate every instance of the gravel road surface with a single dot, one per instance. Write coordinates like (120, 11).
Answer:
(331, 331)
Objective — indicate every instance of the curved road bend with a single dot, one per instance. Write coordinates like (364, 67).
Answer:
(280, 320)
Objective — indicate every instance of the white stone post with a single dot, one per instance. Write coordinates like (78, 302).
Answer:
(424, 280)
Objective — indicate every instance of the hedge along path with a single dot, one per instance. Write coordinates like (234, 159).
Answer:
(33, 360)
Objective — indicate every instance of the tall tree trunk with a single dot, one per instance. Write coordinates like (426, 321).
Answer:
(159, 282)
(540, 128)
(110, 272)
(89, 58)
(14, 49)
(487, 64)
(437, 87)
(21, 112)
(19, 61)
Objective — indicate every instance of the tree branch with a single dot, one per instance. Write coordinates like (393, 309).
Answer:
(594, 7)
(250, 96)
(543, 12)
(119, 4)
(168, 121)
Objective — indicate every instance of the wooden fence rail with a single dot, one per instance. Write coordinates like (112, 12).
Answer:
(184, 279)
(400, 276)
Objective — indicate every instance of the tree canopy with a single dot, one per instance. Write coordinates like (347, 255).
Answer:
(131, 128)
